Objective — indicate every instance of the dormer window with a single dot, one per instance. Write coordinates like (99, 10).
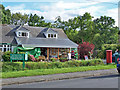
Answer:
(50, 33)
(23, 34)
(52, 36)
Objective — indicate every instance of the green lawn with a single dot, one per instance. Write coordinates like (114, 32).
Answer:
(54, 71)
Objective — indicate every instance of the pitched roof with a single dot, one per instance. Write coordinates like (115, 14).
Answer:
(36, 36)
(47, 42)
(5, 37)
(50, 30)
(39, 31)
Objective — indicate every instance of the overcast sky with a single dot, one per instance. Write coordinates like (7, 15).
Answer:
(67, 9)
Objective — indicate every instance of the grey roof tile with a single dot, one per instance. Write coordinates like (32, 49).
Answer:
(36, 36)
(47, 42)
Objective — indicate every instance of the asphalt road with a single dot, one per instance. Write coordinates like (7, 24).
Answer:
(108, 81)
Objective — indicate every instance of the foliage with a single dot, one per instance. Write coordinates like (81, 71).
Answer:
(48, 65)
(19, 19)
(102, 53)
(1, 53)
(6, 56)
(35, 20)
(6, 15)
(9, 66)
(63, 59)
(85, 48)
(106, 32)
(53, 59)
(97, 31)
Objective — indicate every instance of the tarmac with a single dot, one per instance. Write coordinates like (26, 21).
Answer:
(43, 78)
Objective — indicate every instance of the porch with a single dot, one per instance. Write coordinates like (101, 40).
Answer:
(46, 53)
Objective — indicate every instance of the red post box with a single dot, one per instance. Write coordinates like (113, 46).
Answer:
(109, 56)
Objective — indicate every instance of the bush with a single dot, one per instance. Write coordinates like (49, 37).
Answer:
(102, 53)
(85, 48)
(6, 56)
(63, 59)
(1, 53)
(9, 66)
(16, 66)
(53, 59)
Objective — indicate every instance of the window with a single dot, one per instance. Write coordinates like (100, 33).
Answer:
(22, 34)
(5, 48)
(19, 34)
(55, 35)
(52, 36)
(49, 35)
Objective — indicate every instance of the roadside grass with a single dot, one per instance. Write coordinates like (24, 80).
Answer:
(38, 72)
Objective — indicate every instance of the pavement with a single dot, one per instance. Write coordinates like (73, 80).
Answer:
(105, 81)
(31, 79)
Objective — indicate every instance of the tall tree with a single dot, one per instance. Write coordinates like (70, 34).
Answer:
(106, 31)
(19, 19)
(5, 15)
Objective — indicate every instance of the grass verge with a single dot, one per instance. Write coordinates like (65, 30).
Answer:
(54, 71)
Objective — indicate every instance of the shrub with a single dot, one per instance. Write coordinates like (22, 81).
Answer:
(102, 53)
(1, 53)
(9, 66)
(53, 59)
(85, 49)
(63, 59)
(6, 56)
(16, 66)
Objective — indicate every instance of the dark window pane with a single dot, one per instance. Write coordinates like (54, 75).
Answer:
(22, 34)
(48, 35)
(19, 33)
(52, 35)
(4, 49)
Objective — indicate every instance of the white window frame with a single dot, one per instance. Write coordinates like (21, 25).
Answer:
(7, 47)
(19, 34)
(51, 35)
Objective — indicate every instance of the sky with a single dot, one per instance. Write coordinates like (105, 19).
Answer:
(66, 9)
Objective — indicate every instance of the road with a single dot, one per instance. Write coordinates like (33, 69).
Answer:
(108, 81)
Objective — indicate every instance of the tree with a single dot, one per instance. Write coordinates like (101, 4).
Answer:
(77, 28)
(85, 48)
(5, 15)
(108, 33)
(35, 20)
(19, 19)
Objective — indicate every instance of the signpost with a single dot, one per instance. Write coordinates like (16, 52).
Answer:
(22, 57)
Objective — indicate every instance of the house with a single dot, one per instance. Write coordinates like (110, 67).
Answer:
(48, 42)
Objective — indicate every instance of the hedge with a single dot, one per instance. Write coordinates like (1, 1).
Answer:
(17, 66)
